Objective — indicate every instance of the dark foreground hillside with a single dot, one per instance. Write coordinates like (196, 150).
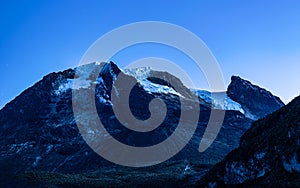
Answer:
(268, 155)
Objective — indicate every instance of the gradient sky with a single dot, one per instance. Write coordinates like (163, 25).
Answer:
(260, 41)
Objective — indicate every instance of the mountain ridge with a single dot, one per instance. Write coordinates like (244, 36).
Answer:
(41, 134)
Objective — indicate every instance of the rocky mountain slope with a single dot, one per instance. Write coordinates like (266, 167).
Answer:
(39, 132)
(268, 155)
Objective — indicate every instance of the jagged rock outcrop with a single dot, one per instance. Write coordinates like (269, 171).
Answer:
(257, 101)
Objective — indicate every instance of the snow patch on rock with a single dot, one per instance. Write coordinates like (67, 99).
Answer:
(156, 88)
(219, 101)
(142, 73)
(73, 84)
(17, 148)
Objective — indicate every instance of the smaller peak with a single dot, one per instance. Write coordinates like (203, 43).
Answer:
(257, 100)
(111, 63)
(234, 77)
(110, 68)
(238, 78)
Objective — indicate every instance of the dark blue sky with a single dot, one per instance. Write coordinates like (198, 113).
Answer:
(257, 40)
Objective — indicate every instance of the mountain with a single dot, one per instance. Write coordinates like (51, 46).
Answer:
(268, 154)
(41, 138)
(257, 101)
